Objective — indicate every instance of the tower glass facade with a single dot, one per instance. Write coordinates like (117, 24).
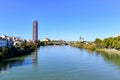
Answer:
(35, 31)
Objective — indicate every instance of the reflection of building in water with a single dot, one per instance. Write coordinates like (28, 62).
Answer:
(6, 65)
(34, 58)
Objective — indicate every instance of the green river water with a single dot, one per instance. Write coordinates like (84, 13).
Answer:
(61, 63)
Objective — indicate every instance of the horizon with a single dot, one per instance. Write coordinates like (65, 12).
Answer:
(60, 20)
(60, 39)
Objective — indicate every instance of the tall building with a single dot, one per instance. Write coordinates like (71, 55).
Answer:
(35, 31)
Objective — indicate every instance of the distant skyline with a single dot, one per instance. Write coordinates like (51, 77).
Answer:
(60, 19)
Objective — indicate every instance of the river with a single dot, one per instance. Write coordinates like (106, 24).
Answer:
(61, 63)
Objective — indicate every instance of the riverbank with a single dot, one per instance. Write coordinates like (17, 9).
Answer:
(84, 45)
(109, 51)
(46, 43)
(18, 50)
(92, 46)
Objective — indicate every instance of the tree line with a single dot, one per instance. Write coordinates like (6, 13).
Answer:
(108, 43)
(111, 42)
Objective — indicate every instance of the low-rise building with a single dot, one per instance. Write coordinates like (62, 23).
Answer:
(46, 40)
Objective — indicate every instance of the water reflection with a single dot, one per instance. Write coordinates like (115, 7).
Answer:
(90, 51)
(62, 63)
(19, 61)
(34, 58)
(113, 58)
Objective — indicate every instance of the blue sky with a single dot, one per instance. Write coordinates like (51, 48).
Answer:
(60, 19)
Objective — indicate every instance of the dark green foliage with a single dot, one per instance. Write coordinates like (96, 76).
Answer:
(112, 42)
(3, 51)
(98, 43)
(42, 43)
(17, 50)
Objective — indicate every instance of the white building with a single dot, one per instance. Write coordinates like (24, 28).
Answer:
(3, 36)
(46, 40)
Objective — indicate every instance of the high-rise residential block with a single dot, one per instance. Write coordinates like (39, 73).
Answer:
(35, 31)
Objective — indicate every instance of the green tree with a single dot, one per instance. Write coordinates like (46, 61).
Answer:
(98, 43)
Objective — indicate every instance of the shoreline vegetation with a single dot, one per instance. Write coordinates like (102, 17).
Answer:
(46, 43)
(25, 48)
(109, 45)
(109, 51)
(18, 50)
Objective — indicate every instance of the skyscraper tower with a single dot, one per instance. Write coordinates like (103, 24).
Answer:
(35, 31)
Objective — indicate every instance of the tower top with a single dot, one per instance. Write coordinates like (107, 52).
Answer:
(36, 21)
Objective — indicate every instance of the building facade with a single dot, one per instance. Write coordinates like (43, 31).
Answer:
(35, 31)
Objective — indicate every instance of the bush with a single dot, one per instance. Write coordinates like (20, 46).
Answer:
(90, 46)
(77, 44)
(3, 51)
